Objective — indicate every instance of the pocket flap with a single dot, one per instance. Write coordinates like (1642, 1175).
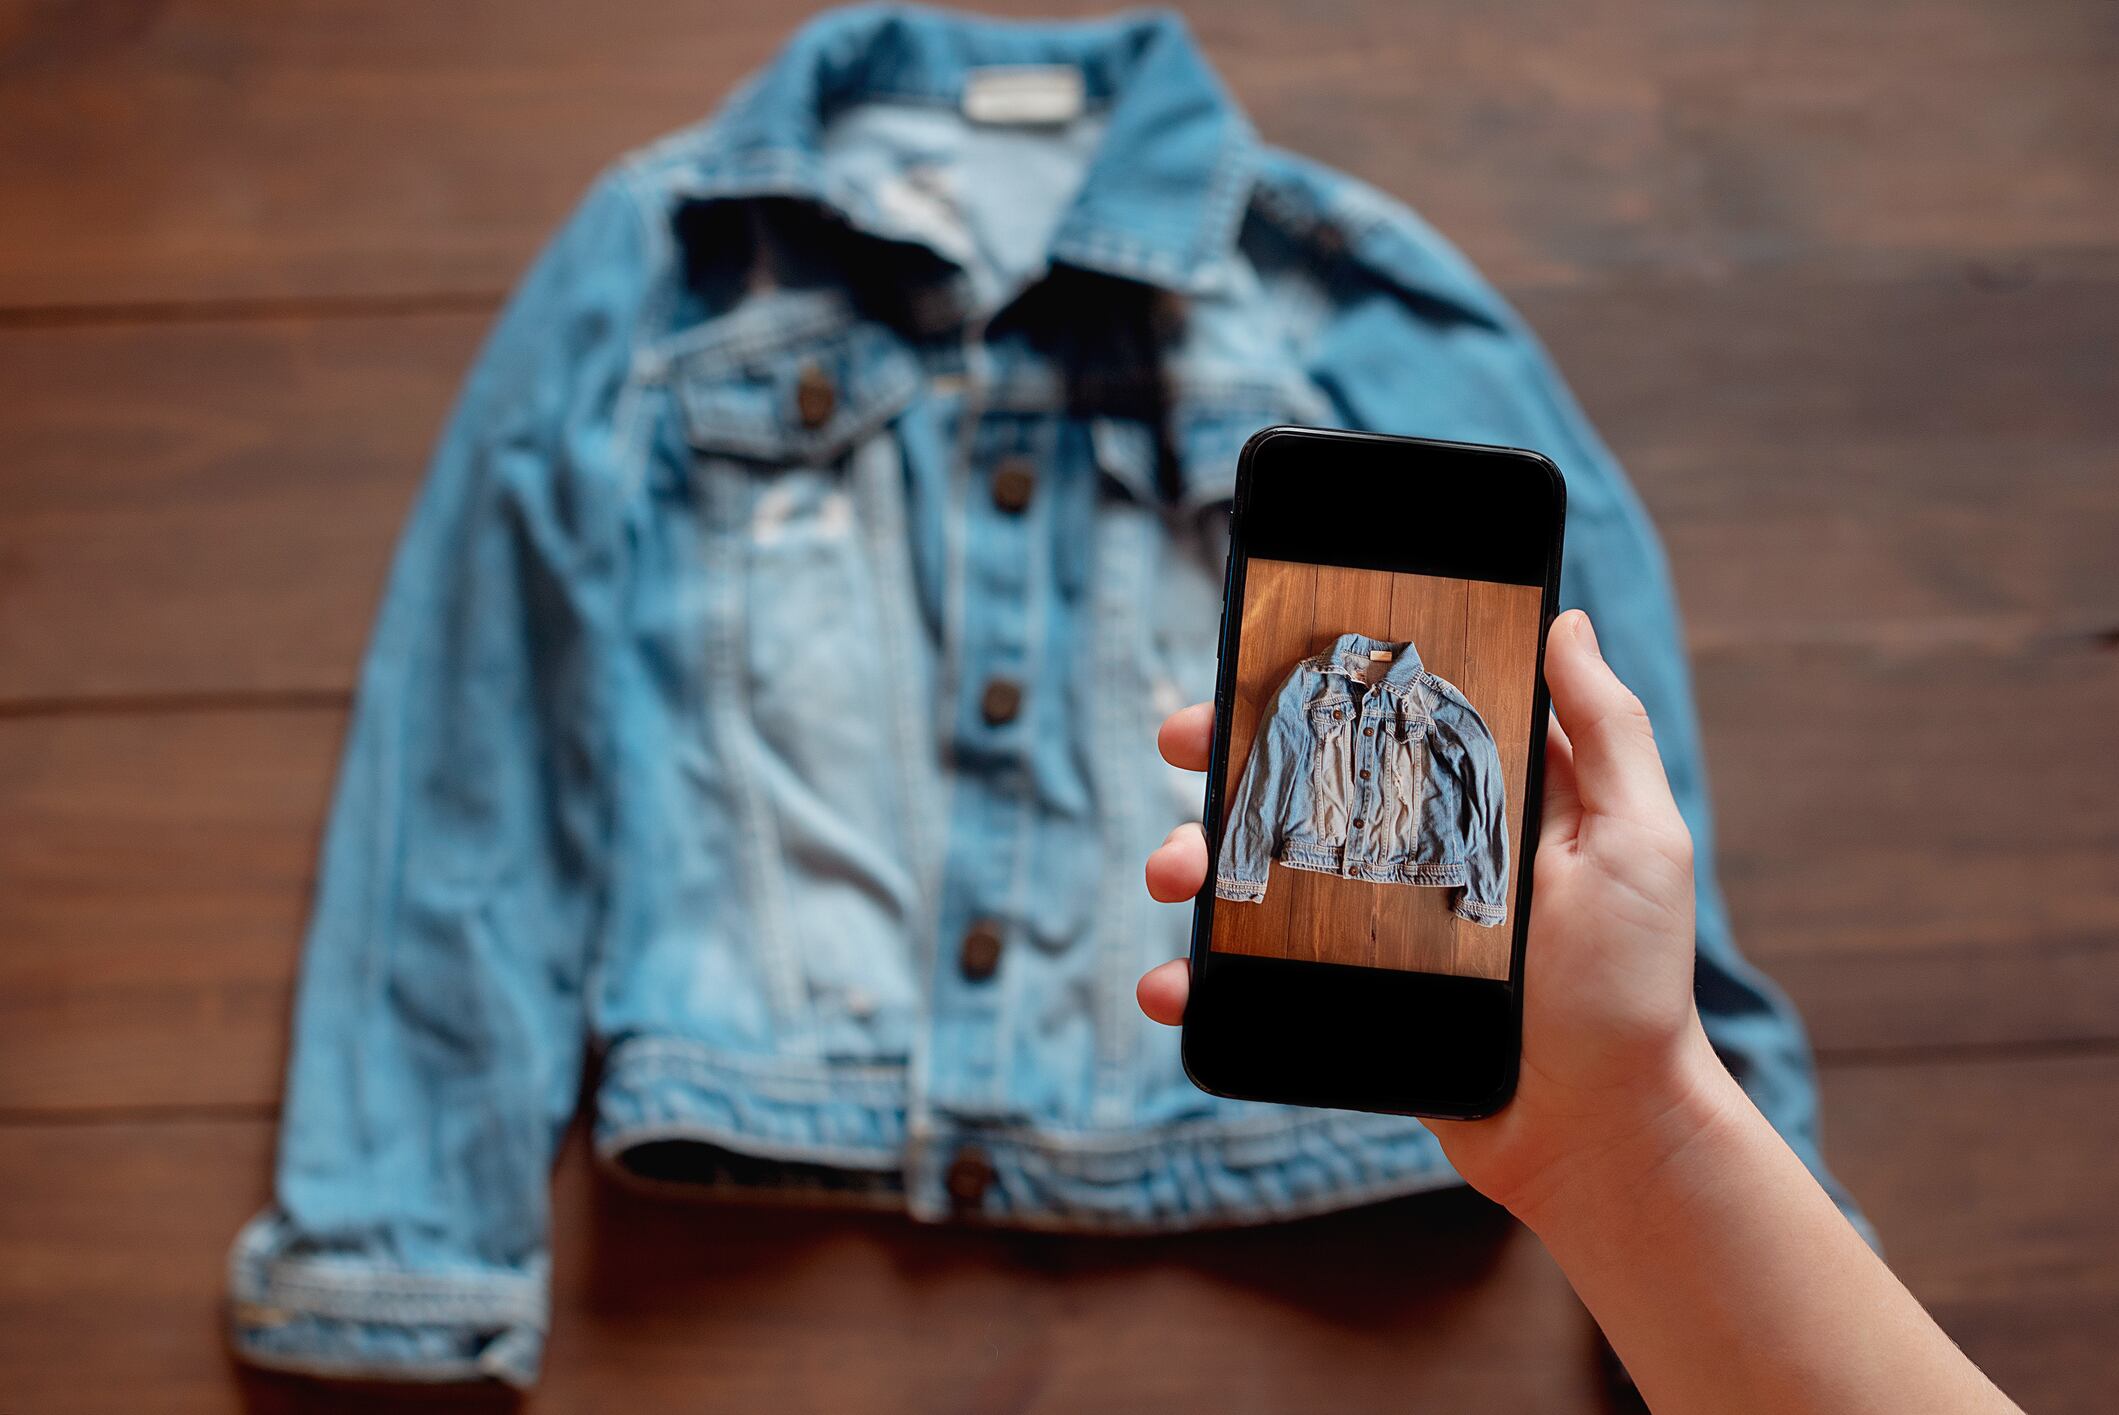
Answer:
(1326, 712)
(1409, 724)
(791, 379)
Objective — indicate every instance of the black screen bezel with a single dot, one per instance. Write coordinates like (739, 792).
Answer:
(1337, 1035)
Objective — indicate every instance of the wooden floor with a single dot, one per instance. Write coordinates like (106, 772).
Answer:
(1839, 282)
(1480, 637)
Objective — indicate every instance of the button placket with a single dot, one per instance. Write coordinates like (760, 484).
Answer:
(989, 830)
(1367, 752)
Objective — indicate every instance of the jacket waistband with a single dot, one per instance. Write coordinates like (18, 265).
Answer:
(844, 1132)
(1328, 860)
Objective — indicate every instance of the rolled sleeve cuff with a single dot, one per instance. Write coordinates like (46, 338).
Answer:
(1484, 915)
(1239, 891)
(351, 1317)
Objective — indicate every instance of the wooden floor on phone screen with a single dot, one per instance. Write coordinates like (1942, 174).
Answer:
(1480, 636)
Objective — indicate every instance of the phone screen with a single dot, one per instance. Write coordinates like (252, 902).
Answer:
(1380, 729)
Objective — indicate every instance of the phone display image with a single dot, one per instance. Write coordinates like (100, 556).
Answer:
(1382, 727)
(1372, 787)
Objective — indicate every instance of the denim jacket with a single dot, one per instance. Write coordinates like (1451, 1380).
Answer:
(761, 714)
(1394, 780)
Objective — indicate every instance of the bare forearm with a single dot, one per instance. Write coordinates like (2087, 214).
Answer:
(1727, 1281)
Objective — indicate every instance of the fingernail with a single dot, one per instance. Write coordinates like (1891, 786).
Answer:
(1587, 633)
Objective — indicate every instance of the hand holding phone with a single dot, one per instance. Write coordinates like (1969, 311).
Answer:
(1724, 1276)
(1611, 1039)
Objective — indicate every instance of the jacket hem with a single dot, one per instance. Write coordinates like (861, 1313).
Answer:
(1239, 891)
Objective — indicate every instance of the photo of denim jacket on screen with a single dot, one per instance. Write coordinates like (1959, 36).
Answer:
(1371, 768)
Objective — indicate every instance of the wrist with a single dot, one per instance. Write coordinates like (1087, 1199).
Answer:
(1663, 1148)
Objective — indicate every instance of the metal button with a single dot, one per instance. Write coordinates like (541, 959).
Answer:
(1364, 773)
(968, 1178)
(1337, 714)
(1368, 731)
(1014, 482)
(1357, 822)
(979, 955)
(815, 398)
(1001, 700)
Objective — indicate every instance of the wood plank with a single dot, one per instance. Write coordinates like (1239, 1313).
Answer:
(1989, 1181)
(155, 872)
(1920, 843)
(199, 151)
(210, 508)
(1499, 680)
(1840, 461)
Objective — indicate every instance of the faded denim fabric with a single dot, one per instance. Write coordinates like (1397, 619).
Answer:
(1395, 781)
(761, 714)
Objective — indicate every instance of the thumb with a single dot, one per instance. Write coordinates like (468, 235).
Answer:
(1618, 771)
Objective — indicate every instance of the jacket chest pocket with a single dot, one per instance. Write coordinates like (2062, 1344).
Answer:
(1331, 767)
(1405, 752)
(782, 403)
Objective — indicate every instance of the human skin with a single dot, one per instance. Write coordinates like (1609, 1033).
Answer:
(1722, 1273)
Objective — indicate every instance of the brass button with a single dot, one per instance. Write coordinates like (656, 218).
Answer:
(1014, 482)
(968, 1178)
(1337, 714)
(979, 955)
(1001, 700)
(1364, 773)
(1357, 822)
(815, 398)
(1368, 731)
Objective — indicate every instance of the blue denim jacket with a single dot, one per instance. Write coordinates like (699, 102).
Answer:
(1389, 776)
(761, 714)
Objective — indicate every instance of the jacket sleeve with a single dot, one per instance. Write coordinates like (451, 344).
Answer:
(1251, 830)
(1414, 341)
(1465, 749)
(439, 1025)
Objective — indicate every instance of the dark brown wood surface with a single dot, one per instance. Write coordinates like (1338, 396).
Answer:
(1837, 282)
(1481, 637)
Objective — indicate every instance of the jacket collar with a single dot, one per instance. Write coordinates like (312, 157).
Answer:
(1350, 656)
(1161, 198)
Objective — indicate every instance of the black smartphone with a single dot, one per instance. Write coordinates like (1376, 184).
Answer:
(1373, 794)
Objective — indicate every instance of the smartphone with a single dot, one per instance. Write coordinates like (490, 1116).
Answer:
(1374, 788)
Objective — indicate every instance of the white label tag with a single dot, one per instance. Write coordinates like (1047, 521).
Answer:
(1023, 93)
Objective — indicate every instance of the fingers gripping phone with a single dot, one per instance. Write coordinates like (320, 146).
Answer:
(1373, 791)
